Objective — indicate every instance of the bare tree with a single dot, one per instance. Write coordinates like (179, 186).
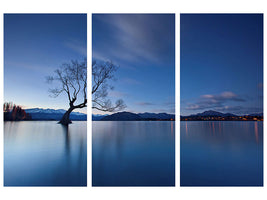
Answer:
(101, 73)
(72, 79)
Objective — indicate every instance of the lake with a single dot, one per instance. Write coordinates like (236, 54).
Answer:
(133, 153)
(44, 153)
(221, 153)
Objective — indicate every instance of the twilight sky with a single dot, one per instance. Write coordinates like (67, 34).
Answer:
(34, 46)
(221, 63)
(143, 46)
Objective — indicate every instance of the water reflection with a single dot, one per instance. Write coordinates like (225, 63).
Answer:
(256, 131)
(66, 135)
(220, 129)
(133, 153)
(45, 154)
(221, 153)
(172, 129)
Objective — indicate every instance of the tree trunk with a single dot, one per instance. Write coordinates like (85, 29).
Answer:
(65, 120)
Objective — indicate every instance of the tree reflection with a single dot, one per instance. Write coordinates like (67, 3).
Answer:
(66, 139)
(73, 162)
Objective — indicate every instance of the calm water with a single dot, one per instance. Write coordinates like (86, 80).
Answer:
(44, 153)
(133, 153)
(221, 153)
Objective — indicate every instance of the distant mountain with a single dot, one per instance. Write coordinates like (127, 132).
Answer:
(122, 116)
(211, 113)
(256, 114)
(147, 115)
(128, 116)
(98, 117)
(41, 110)
(52, 114)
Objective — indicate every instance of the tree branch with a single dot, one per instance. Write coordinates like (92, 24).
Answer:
(70, 76)
(101, 74)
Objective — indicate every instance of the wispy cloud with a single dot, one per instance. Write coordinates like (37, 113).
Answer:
(101, 57)
(130, 81)
(144, 104)
(117, 94)
(223, 97)
(76, 46)
(210, 101)
(134, 37)
(169, 111)
(163, 107)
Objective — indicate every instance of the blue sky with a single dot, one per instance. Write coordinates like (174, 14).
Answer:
(35, 45)
(221, 63)
(143, 46)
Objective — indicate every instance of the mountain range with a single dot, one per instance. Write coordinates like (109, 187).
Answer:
(214, 115)
(98, 117)
(128, 116)
(52, 114)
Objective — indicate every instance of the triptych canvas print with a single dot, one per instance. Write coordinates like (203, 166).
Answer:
(132, 100)
(221, 100)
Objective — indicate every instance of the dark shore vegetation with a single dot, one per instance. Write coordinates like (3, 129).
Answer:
(13, 112)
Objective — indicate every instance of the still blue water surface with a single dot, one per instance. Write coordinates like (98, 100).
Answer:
(44, 153)
(133, 153)
(217, 153)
